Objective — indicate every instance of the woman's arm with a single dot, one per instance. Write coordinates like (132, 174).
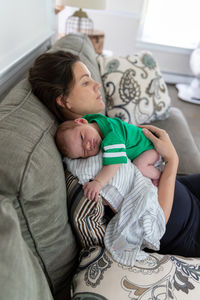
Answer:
(92, 188)
(165, 148)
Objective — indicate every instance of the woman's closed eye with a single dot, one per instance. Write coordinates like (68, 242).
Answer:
(85, 83)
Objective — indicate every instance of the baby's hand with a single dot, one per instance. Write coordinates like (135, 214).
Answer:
(92, 189)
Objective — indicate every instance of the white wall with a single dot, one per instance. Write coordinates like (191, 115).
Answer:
(134, 6)
(119, 22)
(24, 24)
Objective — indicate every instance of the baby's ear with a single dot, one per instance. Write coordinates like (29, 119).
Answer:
(80, 121)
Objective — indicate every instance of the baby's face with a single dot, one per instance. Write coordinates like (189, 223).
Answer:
(84, 141)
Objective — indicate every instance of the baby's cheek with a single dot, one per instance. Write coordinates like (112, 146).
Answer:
(96, 151)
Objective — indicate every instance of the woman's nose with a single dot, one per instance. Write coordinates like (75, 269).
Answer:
(97, 85)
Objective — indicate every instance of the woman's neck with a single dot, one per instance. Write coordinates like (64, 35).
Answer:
(69, 115)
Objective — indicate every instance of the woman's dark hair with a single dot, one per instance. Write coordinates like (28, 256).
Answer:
(51, 76)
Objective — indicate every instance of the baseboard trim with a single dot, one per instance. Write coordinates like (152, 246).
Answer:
(176, 78)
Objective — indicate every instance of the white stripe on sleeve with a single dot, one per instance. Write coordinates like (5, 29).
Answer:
(114, 154)
(114, 146)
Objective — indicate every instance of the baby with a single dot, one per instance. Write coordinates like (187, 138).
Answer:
(84, 137)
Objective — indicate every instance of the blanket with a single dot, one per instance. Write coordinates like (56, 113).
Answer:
(139, 221)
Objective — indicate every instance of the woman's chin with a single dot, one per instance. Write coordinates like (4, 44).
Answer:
(101, 106)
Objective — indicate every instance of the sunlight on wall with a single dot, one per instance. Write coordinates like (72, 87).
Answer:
(173, 23)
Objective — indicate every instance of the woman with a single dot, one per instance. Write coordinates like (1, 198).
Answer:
(64, 84)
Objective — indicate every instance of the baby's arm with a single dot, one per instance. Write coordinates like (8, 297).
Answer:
(145, 163)
(92, 188)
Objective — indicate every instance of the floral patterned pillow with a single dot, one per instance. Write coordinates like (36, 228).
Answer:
(134, 87)
(171, 277)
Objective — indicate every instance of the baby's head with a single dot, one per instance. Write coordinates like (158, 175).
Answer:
(78, 139)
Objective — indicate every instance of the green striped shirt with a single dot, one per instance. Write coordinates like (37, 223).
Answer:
(120, 139)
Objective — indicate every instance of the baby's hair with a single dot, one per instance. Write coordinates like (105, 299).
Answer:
(60, 137)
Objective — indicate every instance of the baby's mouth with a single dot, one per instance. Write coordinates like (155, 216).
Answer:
(94, 143)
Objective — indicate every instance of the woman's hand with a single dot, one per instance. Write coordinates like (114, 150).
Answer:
(165, 148)
(161, 141)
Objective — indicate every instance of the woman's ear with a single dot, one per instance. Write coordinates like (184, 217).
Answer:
(80, 121)
(63, 102)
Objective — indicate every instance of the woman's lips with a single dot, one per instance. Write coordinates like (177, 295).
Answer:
(99, 97)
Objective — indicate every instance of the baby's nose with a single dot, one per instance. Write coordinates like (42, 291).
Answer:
(88, 145)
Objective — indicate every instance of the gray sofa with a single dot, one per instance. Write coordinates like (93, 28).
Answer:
(38, 249)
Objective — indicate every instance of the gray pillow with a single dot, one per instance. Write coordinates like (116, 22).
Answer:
(32, 178)
(21, 276)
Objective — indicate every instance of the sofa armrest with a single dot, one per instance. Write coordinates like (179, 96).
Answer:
(181, 136)
(21, 276)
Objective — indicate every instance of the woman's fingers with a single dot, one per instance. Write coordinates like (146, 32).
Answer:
(161, 141)
(155, 130)
(150, 135)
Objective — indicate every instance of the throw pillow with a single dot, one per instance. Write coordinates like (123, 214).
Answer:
(134, 87)
(86, 217)
(157, 277)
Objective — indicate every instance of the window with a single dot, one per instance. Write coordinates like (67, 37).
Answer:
(173, 23)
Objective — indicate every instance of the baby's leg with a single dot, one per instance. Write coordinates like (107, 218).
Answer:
(145, 163)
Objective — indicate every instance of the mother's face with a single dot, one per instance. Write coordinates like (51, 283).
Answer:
(84, 97)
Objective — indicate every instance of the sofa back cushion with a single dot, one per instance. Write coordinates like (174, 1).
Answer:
(32, 177)
(21, 276)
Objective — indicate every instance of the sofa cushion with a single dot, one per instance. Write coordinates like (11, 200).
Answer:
(181, 136)
(21, 276)
(81, 45)
(157, 277)
(32, 178)
(134, 87)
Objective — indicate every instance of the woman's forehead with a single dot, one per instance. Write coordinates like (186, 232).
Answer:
(80, 70)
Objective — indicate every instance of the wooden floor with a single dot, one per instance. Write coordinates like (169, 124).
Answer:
(191, 112)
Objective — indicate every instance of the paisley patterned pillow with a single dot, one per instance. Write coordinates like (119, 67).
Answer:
(99, 277)
(135, 89)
